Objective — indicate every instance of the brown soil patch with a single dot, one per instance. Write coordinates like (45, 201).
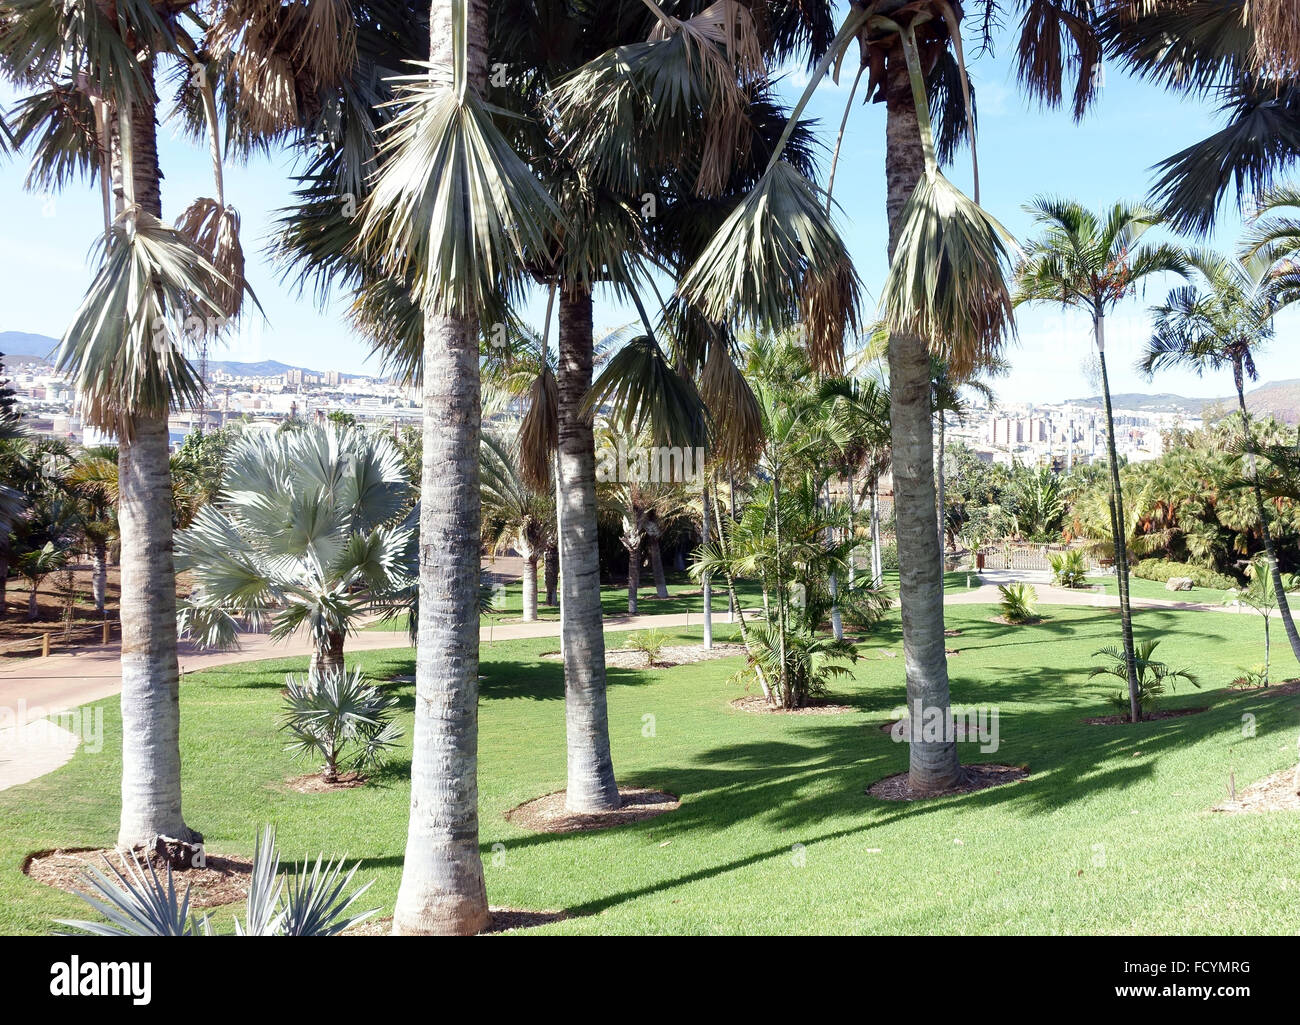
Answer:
(1278, 792)
(952, 633)
(1279, 689)
(669, 656)
(1120, 720)
(1033, 621)
(223, 881)
(974, 777)
(816, 706)
(548, 815)
(313, 784)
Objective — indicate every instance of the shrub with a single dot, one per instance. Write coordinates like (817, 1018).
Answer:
(1019, 602)
(649, 642)
(811, 662)
(1069, 569)
(1151, 675)
(1163, 570)
(340, 718)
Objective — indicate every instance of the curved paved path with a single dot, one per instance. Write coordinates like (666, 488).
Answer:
(32, 689)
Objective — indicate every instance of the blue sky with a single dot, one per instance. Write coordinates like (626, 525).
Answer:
(45, 241)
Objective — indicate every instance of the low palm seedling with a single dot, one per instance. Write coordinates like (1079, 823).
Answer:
(1019, 602)
(1152, 675)
(340, 718)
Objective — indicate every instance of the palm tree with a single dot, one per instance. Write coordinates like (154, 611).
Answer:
(1222, 321)
(307, 534)
(1091, 262)
(93, 478)
(514, 515)
(452, 212)
(90, 107)
(1235, 53)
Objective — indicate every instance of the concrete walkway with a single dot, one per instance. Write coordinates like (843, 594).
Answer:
(33, 689)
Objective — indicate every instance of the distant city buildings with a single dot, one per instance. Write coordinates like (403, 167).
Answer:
(1063, 434)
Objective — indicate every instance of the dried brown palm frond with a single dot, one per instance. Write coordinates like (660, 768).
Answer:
(733, 409)
(947, 281)
(214, 230)
(776, 255)
(1277, 34)
(829, 305)
(539, 433)
(266, 91)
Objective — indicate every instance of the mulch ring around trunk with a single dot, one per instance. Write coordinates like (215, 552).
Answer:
(222, 881)
(815, 706)
(503, 920)
(548, 814)
(669, 655)
(973, 777)
(1122, 720)
(312, 783)
(1278, 792)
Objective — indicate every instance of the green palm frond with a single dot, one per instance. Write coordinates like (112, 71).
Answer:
(778, 250)
(641, 388)
(122, 350)
(454, 210)
(947, 281)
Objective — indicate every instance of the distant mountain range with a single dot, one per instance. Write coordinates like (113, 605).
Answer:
(20, 347)
(1280, 399)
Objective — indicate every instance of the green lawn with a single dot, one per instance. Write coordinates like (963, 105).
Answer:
(684, 597)
(1112, 833)
(1140, 588)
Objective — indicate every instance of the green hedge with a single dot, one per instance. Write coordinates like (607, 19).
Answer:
(1163, 570)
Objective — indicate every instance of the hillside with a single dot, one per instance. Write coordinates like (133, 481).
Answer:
(1280, 399)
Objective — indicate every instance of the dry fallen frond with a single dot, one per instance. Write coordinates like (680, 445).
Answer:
(214, 230)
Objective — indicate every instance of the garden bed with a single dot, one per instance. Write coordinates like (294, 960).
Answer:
(973, 777)
(1278, 792)
(224, 880)
(503, 920)
(815, 706)
(1167, 713)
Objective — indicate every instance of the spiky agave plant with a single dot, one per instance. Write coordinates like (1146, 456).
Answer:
(138, 902)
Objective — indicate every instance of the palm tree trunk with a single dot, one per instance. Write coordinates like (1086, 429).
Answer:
(4, 587)
(151, 750)
(633, 577)
(1120, 531)
(942, 499)
(783, 675)
(837, 621)
(591, 785)
(877, 563)
(551, 573)
(1270, 552)
(530, 586)
(933, 764)
(706, 585)
(33, 610)
(656, 563)
(442, 889)
(99, 578)
(327, 659)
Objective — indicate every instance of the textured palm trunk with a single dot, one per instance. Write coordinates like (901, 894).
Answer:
(327, 658)
(151, 748)
(33, 610)
(877, 562)
(591, 785)
(655, 552)
(99, 578)
(1120, 532)
(442, 889)
(530, 587)
(783, 670)
(932, 764)
(942, 488)
(4, 587)
(633, 577)
(1270, 552)
(706, 586)
(837, 621)
(551, 574)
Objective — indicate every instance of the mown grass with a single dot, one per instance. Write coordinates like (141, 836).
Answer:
(1112, 832)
